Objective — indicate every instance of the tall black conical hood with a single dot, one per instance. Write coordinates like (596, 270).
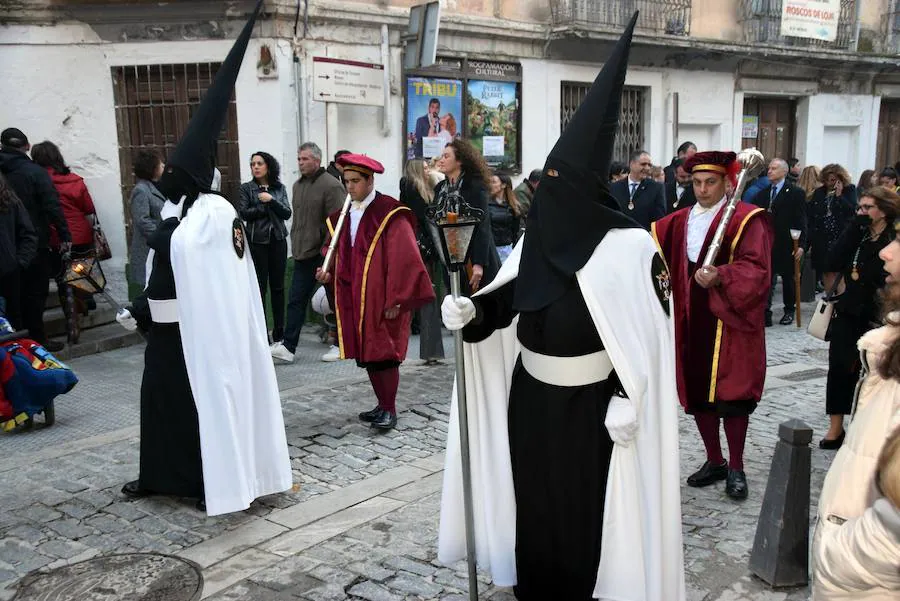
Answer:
(194, 155)
(572, 208)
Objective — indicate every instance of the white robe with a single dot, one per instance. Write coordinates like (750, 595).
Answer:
(641, 551)
(223, 332)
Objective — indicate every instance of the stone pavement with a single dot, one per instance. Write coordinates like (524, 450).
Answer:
(361, 522)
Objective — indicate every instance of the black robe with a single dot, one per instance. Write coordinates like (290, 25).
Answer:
(170, 432)
(559, 447)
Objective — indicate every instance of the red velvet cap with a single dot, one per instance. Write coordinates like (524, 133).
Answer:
(360, 163)
(714, 161)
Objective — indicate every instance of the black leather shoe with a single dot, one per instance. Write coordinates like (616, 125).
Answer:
(736, 484)
(832, 444)
(133, 489)
(708, 474)
(768, 321)
(386, 421)
(371, 415)
(787, 320)
(53, 346)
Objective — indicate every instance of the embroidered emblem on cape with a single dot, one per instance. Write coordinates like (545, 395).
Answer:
(661, 282)
(238, 240)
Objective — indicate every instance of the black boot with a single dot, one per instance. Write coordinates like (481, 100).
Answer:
(708, 474)
(371, 415)
(386, 421)
(133, 489)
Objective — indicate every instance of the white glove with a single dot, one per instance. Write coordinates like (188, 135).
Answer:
(126, 320)
(621, 421)
(456, 313)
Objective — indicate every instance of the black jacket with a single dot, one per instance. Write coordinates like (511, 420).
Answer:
(410, 196)
(649, 200)
(18, 240)
(33, 186)
(786, 213)
(483, 251)
(504, 224)
(265, 221)
(828, 215)
(334, 172)
(860, 297)
(687, 197)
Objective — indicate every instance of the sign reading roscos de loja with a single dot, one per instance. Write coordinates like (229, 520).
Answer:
(349, 82)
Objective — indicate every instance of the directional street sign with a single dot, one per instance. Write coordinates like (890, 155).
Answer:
(350, 82)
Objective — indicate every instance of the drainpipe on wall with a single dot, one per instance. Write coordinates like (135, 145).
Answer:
(386, 74)
(300, 91)
(854, 43)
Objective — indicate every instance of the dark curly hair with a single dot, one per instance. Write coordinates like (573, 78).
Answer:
(145, 163)
(47, 154)
(274, 175)
(473, 164)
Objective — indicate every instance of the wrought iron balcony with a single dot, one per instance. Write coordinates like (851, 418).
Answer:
(672, 17)
(762, 25)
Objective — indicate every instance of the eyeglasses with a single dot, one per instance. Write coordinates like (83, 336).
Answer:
(865, 208)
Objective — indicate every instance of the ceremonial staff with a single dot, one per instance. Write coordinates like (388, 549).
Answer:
(326, 265)
(753, 164)
(456, 220)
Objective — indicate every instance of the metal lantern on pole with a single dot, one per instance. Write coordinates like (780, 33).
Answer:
(455, 221)
(86, 274)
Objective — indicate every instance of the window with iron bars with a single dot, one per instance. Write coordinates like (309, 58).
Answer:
(672, 17)
(762, 24)
(631, 119)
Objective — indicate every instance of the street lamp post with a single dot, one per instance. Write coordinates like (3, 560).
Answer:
(456, 221)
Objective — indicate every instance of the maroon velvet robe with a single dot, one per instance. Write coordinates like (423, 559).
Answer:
(383, 269)
(720, 331)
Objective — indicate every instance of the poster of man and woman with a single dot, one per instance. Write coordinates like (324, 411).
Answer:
(435, 117)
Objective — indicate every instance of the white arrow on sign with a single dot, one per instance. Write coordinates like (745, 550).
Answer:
(350, 82)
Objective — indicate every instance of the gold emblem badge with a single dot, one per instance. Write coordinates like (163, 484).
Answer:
(238, 240)
(661, 282)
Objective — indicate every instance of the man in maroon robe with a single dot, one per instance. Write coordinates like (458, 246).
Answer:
(379, 279)
(719, 314)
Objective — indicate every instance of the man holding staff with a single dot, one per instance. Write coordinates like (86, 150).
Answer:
(718, 311)
(378, 279)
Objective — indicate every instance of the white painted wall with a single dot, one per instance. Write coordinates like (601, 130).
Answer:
(704, 108)
(70, 101)
(834, 128)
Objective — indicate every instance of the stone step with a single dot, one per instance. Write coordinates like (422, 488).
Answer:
(55, 320)
(100, 339)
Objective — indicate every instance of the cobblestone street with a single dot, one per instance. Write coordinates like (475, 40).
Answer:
(361, 522)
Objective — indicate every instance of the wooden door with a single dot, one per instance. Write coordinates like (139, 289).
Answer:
(775, 126)
(888, 148)
(153, 105)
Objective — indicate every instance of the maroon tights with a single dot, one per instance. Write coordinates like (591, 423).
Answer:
(385, 383)
(735, 433)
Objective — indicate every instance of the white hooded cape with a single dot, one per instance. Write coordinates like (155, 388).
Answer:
(223, 332)
(641, 552)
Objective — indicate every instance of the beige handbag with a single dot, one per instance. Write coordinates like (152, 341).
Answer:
(821, 319)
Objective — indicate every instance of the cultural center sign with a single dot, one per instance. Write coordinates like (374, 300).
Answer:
(813, 19)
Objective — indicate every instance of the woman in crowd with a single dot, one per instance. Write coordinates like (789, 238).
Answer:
(867, 180)
(855, 257)
(18, 246)
(81, 217)
(617, 171)
(468, 176)
(505, 215)
(856, 547)
(830, 210)
(888, 179)
(264, 207)
(809, 181)
(417, 192)
(145, 204)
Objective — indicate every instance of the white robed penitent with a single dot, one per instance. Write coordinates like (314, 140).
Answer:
(226, 352)
(641, 551)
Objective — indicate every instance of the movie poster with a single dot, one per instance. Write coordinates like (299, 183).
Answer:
(433, 115)
(493, 113)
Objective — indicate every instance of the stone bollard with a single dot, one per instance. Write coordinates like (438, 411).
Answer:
(780, 553)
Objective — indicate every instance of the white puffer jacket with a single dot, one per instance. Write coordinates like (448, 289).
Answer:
(856, 547)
